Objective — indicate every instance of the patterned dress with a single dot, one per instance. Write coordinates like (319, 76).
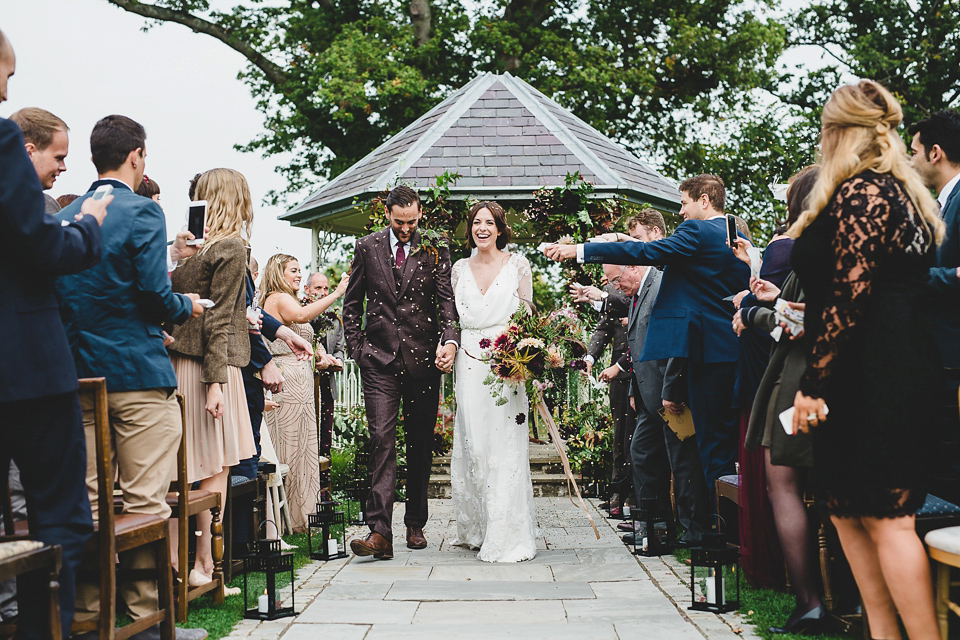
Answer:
(294, 429)
(864, 264)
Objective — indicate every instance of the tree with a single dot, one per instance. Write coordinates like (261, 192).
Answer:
(334, 78)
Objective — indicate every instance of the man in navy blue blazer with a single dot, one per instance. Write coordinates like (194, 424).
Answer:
(41, 428)
(690, 318)
(113, 313)
(936, 157)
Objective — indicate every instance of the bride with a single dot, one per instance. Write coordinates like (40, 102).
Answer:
(490, 467)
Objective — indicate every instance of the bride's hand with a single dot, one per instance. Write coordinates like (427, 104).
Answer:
(445, 356)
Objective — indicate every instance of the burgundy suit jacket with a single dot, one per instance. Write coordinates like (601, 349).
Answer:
(418, 313)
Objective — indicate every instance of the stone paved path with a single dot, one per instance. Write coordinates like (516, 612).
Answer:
(577, 587)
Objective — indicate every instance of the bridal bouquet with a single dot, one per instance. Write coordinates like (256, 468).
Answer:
(536, 351)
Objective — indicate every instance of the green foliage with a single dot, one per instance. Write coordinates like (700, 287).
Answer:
(589, 433)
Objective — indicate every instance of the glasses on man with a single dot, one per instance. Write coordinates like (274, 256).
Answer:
(616, 281)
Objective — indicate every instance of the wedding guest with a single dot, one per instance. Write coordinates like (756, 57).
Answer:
(149, 189)
(38, 382)
(113, 313)
(865, 245)
(787, 459)
(328, 328)
(47, 143)
(208, 352)
(293, 425)
(65, 199)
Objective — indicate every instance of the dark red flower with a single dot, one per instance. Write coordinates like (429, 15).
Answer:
(578, 365)
(521, 418)
(485, 343)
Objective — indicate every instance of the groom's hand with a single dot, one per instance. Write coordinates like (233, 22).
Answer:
(445, 356)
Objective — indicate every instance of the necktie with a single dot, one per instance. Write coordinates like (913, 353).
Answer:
(636, 299)
(401, 256)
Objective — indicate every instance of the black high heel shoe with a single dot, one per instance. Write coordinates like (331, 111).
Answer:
(811, 622)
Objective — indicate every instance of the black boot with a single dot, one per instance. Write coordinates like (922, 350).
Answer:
(811, 622)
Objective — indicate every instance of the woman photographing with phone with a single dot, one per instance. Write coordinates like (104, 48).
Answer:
(209, 351)
(294, 428)
(864, 245)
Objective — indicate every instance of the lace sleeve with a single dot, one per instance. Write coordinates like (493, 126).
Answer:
(525, 287)
(455, 273)
(863, 213)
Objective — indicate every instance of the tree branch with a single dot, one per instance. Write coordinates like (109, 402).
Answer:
(420, 16)
(272, 71)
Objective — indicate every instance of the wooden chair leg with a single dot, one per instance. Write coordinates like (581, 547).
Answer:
(943, 597)
(216, 543)
(165, 589)
(825, 573)
(183, 557)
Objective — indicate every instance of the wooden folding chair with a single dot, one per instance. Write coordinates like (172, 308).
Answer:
(117, 533)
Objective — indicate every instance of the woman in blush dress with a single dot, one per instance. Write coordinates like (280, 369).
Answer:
(490, 466)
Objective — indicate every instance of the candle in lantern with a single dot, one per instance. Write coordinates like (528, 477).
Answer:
(263, 603)
(332, 548)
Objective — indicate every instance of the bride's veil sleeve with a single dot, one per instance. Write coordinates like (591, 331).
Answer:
(455, 274)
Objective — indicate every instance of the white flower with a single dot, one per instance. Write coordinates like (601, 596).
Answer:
(531, 342)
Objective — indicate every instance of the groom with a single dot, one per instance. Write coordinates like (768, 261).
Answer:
(404, 339)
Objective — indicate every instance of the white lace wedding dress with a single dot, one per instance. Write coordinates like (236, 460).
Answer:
(490, 466)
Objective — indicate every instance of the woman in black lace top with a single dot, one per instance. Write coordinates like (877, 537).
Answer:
(864, 244)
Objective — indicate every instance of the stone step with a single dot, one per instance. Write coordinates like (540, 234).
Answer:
(544, 485)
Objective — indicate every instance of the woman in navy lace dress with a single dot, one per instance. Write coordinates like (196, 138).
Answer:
(865, 242)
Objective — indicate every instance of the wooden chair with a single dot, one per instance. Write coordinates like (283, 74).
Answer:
(185, 503)
(20, 556)
(117, 533)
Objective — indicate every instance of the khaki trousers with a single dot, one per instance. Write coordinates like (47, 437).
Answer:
(145, 429)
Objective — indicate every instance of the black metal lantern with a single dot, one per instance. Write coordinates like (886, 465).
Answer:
(357, 494)
(646, 516)
(266, 557)
(715, 563)
(327, 518)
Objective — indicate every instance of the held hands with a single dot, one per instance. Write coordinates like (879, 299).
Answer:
(807, 412)
(445, 356)
(327, 362)
(560, 252)
(197, 308)
(215, 400)
(95, 208)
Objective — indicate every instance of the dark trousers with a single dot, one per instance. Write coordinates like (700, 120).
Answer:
(655, 452)
(45, 438)
(624, 419)
(253, 388)
(711, 397)
(382, 393)
(326, 413)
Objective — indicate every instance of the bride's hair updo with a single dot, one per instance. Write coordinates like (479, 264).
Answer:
(499, 217)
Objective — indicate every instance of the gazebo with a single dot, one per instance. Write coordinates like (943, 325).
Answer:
(505, 138)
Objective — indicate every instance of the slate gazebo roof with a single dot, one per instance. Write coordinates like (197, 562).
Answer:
(507, 140)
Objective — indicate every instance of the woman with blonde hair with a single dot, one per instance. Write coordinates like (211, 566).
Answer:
(209, 351)
(293, 426)
(865, 242)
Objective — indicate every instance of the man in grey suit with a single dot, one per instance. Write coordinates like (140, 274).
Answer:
(656, 451)
(328, 327)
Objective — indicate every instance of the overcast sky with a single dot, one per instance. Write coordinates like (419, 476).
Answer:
(85, 59)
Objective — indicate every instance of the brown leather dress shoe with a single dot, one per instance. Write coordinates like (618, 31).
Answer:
(415, 539)
(374, 545)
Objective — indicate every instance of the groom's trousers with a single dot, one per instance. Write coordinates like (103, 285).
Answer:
(383, 389)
